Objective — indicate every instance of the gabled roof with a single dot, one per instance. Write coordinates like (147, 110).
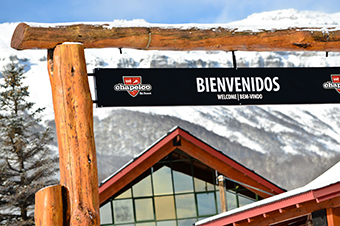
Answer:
(321, 193)
(178, 138)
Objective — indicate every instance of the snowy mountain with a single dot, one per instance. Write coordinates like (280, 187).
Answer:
(288, 144)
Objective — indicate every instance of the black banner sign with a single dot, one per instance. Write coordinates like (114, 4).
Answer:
(216, 86)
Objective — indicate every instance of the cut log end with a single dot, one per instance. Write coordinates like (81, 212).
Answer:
(18, 36)
(49, 206)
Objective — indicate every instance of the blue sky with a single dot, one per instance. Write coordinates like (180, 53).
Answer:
(153, 11)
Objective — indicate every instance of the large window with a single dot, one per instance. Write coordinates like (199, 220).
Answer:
(177, 191)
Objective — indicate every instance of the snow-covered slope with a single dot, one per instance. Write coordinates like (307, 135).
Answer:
(282, 19)
(292, 130)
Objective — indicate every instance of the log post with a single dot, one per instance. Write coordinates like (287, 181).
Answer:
(222, 193)
(73, 108)
(49, 206)
(333, 216)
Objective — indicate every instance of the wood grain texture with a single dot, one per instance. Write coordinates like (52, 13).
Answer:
(333, 216)
(156, 38)
(49, 206)
(222, 190)
(73, 108)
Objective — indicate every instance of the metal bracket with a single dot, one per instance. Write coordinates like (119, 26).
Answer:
(147, 46)
(234, 60)
(94, 78)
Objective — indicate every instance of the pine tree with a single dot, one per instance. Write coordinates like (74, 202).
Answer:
(26, 162)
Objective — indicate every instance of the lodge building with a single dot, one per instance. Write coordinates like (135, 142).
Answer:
(315, 204)
(175, 183)
(182, 181)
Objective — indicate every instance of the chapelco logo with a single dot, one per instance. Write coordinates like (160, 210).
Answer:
(334, 84)
(133, 85)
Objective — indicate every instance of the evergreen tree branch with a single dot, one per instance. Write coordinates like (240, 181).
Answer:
(26, 162)
(9, 166)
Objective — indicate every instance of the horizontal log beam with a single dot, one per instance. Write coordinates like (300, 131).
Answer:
(157, 38)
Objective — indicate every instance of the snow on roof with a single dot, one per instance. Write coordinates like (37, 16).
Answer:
(331, 176)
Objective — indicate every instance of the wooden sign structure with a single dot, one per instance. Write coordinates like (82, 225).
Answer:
(216, 86)
(75, 200)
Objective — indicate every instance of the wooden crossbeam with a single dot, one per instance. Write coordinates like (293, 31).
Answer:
(158, 38)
